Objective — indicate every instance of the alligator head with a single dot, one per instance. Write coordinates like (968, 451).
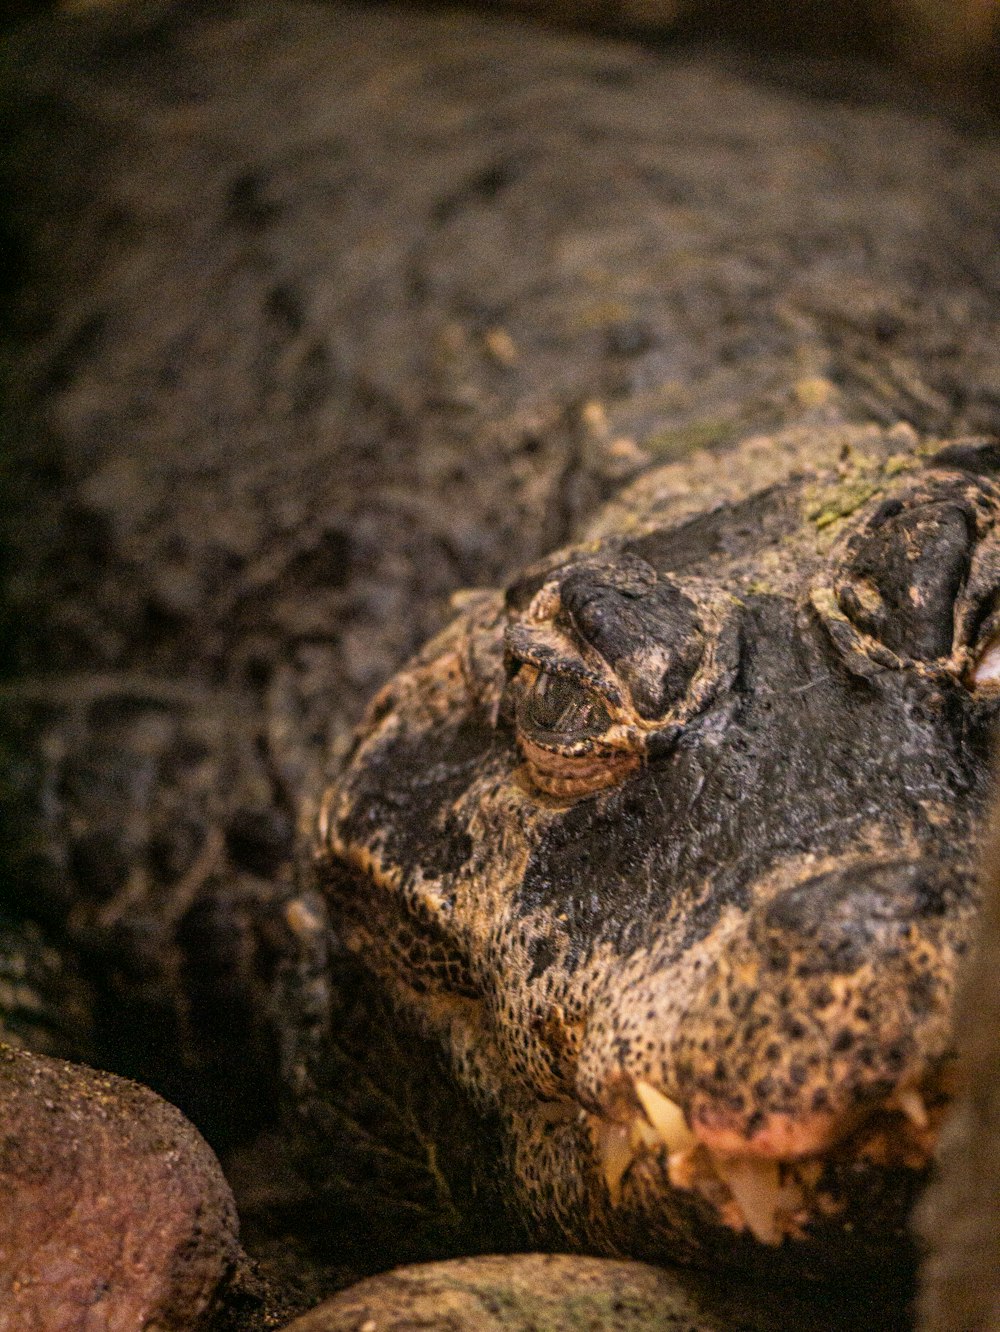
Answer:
(671, 845)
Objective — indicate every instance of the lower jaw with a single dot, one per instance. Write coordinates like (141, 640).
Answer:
(860, 1227)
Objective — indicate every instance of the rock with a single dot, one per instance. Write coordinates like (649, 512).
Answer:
(502, 1294)
(560, 1293)
(114, 1213)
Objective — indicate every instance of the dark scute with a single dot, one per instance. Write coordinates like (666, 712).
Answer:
(99, 862)
(625, 612)
(81, 344)
(326, 562)
(733, 530)
(922, 551)
(484, 187)
(980, 457)
(541, 953)
(406, 788)
(630, 337)
(284, 310)
(247, 204)
(887, 509)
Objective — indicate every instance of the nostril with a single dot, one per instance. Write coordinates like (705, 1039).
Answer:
(837, 919)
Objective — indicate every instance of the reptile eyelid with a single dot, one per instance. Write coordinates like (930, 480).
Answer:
(525, 646)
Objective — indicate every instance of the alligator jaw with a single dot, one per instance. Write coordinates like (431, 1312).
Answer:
(769, 1184)
(656, 1124)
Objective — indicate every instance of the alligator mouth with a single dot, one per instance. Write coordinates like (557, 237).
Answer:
(772, 1185)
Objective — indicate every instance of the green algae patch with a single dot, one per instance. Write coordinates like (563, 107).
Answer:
(900, 462)
(841, 501)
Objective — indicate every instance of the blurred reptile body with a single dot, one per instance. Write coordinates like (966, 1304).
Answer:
(629, 920)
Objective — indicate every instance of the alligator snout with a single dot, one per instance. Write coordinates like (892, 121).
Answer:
(837, 994)
(815, 1033)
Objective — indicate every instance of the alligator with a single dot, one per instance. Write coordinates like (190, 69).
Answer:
(667, 844)
(628, 921)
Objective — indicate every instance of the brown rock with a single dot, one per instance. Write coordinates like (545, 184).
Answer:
(563, 1293)
(512, 1294)
(114, 1214)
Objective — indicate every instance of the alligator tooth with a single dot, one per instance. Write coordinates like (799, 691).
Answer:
(682, 1168)
(666, 1117)
(615, 1153)
(643, 1134)
(756, 1186)
(911, 1103)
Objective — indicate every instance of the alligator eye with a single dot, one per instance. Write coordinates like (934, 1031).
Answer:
(556, 706)
(567, 736)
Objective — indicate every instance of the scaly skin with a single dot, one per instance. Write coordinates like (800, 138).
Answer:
(668, 846)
